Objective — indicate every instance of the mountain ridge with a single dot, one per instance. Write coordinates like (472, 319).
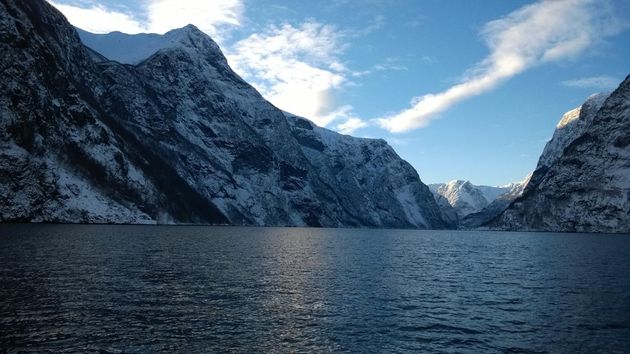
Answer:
(178, 137)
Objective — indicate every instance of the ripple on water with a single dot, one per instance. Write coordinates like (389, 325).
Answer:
(199, 289)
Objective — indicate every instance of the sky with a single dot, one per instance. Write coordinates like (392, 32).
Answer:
(461, 89)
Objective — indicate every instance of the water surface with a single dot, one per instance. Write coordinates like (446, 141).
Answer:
(148, 288)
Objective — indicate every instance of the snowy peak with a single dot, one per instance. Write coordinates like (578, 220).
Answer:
(570, 127)
(510, 193)
(135, 48)
(569, 118)
(462, 195)
(466, 199)
(592, 104)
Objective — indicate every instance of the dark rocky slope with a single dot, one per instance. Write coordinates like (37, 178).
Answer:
(178, 137)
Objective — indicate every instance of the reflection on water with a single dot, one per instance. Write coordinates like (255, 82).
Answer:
(144, 288)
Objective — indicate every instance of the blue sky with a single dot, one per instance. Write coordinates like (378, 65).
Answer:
(501, 73)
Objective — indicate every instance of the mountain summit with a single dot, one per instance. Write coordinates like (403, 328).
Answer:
(134, 48)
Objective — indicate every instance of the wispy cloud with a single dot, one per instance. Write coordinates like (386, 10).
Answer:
(99, 19)
(351, 125)
(389, 64)
(297, 68)
(397, 141)
(377, 23)
(214, 17)
(594, 82)
(543, 32)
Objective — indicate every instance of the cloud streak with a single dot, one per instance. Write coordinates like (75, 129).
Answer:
(594, 82)
(543, 32)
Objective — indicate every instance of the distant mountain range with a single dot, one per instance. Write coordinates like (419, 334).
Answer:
(149, 128)
(469, 205)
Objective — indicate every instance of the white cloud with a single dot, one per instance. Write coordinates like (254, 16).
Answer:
(159, 16)
(390, 64)
(532, 35)
(351, 125)
(594, 82)
(297, 68)
(99, 19)
(211, 17)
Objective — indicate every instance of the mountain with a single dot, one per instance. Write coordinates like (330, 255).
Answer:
(466, 198)
(582, 181)
(496, 207)
(167, 132)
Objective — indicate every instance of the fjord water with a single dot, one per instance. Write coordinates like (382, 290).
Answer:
(148, 288)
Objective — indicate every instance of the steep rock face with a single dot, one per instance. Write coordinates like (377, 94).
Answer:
(61, 159)
(587, 187)
(176, 137)
(449, 213)
(371, 180)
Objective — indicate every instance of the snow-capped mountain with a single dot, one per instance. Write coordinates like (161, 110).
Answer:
(134, 48)
(497, 206)
(167, 132)
(571, 125)
(465, 197)
(582, 182)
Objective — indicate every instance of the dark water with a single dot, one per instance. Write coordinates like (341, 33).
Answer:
(191, 289)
